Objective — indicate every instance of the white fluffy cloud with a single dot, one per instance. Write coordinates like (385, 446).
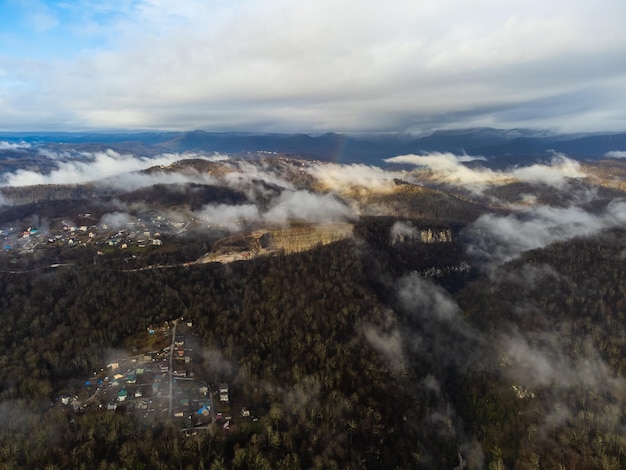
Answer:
(289, 205)
(449, 168)
(229, 217)
(340, 177)
(307, 206)
(6, 145)
(99, 166)
(324, 65)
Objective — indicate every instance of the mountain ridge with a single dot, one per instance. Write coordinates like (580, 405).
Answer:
(372, 148)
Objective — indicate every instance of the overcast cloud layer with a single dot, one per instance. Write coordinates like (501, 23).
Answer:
(281, 65)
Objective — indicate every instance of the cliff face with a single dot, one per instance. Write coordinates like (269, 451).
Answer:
(305, 237)
(423, 236)
(293, 239)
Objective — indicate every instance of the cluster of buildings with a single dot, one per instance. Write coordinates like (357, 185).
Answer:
(134, 232)
(157, 385)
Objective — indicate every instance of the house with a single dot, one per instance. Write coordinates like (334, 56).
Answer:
(223, 392)
(122, 395)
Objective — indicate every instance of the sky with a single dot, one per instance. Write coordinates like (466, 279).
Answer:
(312, 66)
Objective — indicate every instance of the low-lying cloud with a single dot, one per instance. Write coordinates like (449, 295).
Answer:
(449, 168)
(229, 217)
(289, 205)
(245, 174)
(307, 206)
(6, 145)
(341, 177)
(499, 239)
(93, 167)
(117, 220)
(616, 154)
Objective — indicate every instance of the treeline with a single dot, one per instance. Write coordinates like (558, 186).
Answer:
(419, 202)
(190, 195)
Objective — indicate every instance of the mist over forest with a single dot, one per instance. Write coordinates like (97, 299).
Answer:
(442, 301)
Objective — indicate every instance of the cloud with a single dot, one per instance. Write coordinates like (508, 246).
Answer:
(304, 205)
(440, 335)
(448, 168)
(287, 206)
(469, 158)
(136, 180)
(555, 174)
(392, 66)
(341, 177)
(6, 145)
(540, 362)
(4, 201)
(216, 364)
(426, 299)
(229, 217)
(389, 345)
(117, 220)
(616, 154)
(97, 166)
(498, 239)
(245, 176)
(402, 230)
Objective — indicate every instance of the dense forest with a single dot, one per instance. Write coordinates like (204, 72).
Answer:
(446, 325)
(359, 354)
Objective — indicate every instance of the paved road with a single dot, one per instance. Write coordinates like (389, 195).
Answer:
(171, 374)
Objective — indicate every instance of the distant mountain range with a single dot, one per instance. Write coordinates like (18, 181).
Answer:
(501, 147)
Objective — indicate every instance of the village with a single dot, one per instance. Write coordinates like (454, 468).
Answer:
(132, 234)
(159, 385)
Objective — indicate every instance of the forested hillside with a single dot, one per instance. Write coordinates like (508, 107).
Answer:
(293, 334)
(345, 366)
(447, 316)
